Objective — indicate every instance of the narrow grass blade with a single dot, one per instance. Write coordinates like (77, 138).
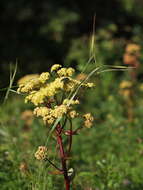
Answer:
(12, 76)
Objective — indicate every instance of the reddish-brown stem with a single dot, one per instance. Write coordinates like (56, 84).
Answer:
(63, 156)
(70, 139)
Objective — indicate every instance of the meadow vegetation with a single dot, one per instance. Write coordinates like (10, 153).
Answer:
(107, 156)
(106, 91)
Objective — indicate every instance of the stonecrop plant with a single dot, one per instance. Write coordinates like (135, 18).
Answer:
(54, 96)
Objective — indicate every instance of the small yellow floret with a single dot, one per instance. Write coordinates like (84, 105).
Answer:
(34, 83)
(90, 84)
(62, 72)
(35, 97)
(44, 77)
(47, 90)
(59, 111)
(41, 111)
(88, 116)
(70, 71)
(88, 120)
(66, 72)
(50, 115)
(29, 86)
(41, 153)
(87, 123)
(73, 114)
(49, 120)
(55, 67)
(70, 102)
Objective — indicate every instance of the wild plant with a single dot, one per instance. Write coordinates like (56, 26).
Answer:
(54, 95)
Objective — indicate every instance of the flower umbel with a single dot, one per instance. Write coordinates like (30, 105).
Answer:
(41, 153)
(27, 78)
(40, 88)
(88, 120)
(55, 67)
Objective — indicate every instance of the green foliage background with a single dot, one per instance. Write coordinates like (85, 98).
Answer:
(41, 33)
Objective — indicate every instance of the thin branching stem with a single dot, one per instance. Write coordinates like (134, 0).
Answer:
(70, 138)
(62, 156)
(53, 165)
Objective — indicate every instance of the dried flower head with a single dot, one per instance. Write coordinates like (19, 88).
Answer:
(23, 167)
(88, 120)
(41, 153)
(26, 78)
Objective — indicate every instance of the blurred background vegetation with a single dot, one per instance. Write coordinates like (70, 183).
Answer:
(41, 33)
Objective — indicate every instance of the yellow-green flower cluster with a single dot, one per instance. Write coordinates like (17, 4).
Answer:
(50, 115)
(71, 84)
(41, 153)
(70, 102)
(40, 88)
(55, 67)
(46, 91)
(27, 78)
(44, 77)
(59, 111)
(34, 83)
(73, 114)
(65, 72)
(88, 120)
(41, 111)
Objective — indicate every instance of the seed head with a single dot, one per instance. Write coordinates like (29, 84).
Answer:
(41, 153)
